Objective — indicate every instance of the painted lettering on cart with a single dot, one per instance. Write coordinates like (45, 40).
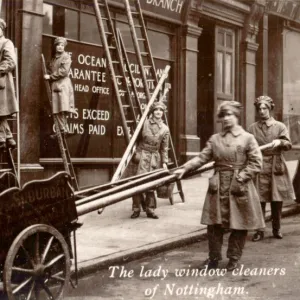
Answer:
(40, 194)
(171, 5)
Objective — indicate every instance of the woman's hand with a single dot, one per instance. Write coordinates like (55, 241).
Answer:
(46, 77)
(276, 143)
(165, 166)
(179, 173)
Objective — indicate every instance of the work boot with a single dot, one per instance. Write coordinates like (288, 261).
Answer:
(232, 265)
(2, 146)
(151, 215)
(277, 234)
(258, 235)
(11, 143)
(135, 215)
(210, 264)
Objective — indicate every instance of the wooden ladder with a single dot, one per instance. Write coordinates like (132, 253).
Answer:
(146, 61)
(62, 143)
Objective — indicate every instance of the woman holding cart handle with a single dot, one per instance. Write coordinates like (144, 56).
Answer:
(232, 201)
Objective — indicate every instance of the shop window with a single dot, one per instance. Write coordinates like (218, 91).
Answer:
(160, 44)
(225, 62)
(89, 29)
(48, 19)
(71, 24)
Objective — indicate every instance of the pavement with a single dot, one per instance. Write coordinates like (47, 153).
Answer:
(113, 238)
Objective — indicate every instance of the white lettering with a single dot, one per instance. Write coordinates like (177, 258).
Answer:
(171, 5)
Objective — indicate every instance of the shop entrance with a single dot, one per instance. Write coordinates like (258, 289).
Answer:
(205, 113)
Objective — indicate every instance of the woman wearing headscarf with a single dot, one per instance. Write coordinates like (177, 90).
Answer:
(274, 183)
(61, 85)
(232, 201)
(8, 101)
(151, 154)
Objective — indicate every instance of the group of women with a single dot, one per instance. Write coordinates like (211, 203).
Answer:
(247, 176)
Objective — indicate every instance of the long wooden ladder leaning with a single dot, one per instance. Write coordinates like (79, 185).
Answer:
(124, 87)
(128, 104)
(143, 56)
(62, 143)
(7, 157)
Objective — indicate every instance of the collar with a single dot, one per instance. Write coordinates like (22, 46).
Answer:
(57, 55)
(157, 122)
(268, 122)
(235, 131)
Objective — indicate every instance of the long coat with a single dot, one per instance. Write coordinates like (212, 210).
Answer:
(61, 85)
(152, 149)
(274, 182)
(239, 149)
(8, 101)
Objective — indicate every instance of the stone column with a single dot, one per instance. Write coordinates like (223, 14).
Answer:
(262, 57)
(249, 48)
(189, 142)
(30, 19)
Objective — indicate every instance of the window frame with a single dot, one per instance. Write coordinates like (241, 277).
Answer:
(222, 95)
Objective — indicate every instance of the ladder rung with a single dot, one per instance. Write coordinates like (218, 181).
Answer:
(138, 26)
(112, 47)
(150, 79)
(141, 39)
(147, 66)
(108, 33)
(101, 4)
(129, 121)
(115, 62)
(145, 53)
(119, 76)
(125, 105)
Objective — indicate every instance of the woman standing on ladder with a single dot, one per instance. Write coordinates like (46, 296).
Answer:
(61, 85)
(151, 154)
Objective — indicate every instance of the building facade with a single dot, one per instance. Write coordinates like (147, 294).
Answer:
(217, 49)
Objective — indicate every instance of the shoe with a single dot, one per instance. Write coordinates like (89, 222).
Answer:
(11, 143)
(277, 234)
(232, 265)
(258, 235)
(151, 215)
(135, 215)
(210, 264)
(2, 146)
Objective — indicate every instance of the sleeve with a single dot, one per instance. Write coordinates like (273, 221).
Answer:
(254, 160)
(164, 147)
(204, 157)
(284, 138)
(8, 61)
(63, 69)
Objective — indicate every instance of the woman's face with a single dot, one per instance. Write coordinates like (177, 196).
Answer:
(229, 119)
(158, 113)
(60, 47)
(263, 111)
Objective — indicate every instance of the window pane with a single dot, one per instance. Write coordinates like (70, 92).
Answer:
(71, 24)
(228, 73)
(89, 29)
(48, 19)
(221, 38)
(160, 44)
(220, 72)
(228, 40)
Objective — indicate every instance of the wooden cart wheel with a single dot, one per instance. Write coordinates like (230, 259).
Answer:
(37, 265)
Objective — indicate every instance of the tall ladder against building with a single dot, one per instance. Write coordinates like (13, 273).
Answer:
(7, 157)
(117, 59)
(143, 56)
(62, 143)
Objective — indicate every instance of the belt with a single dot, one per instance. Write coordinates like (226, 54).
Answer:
(149, 148)
(228, 167)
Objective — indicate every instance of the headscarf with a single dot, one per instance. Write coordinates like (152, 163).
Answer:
(60, 39)
(158, 104)
(233, 106)
(2, 24)
(268, 101)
